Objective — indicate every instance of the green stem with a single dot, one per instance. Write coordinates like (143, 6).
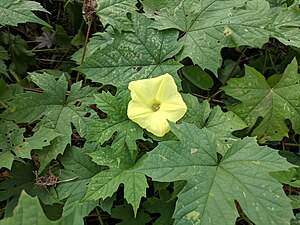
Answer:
(99, 217)
(273, 65)
(291, 144)
(15, 76)
(3, 104)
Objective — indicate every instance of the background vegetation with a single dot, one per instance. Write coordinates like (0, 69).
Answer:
(70, 155)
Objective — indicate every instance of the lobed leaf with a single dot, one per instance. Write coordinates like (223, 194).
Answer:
(220, 123)
(106, 183)
(140, 54)
(286, 21)
(208, 198)
(274, 104)
(13, 12)
(115, 12)
(53, 109)
(117, 121)
(210, 25)
(77, 164)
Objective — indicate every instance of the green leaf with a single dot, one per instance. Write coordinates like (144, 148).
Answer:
(3, 53)
(230, 68)
(28, 212)
(21, 56)
(98, 41)
(13, 12)
(75, 216)
(120, 156)
(8, 92)
(197, 112)
(23, 178)
(40, 139)
(126, 214)
(56, 109)
(106, 183)
(290, 177)
(286, 21)
(297, 220)
(102, 130)
(295, 201)
(140, 54)
(198, 77)
(3, 56)
(61, 37)
(76, 165)
(10, 136)
(274, 105)
(163, 205)
(220, 123)
(115, 12)
(245, 166)
(210, 25)
(107, 204)
(3, 69)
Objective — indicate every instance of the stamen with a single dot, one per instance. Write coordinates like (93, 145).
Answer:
(155, 107)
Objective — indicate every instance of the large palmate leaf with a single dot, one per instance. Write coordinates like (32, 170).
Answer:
(210, 25)
(77, 165)
(213, 184)
(117, 120)
(120, 156)
(221, 124)
(274, 103)
(13, 12)
(115, 12)
(105, 184)
(28, 212)
(134, 55)
(56, 109)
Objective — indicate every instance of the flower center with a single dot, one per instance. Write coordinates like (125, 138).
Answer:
(155, 107)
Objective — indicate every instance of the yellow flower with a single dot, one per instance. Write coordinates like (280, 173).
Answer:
(154, 102)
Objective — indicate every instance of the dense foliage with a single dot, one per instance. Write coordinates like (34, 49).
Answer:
(69, 154)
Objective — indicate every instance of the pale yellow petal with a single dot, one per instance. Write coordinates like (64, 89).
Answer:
(174, 108)
(148, 95)
(139, 113)
(154, 122)
(167, 88)
(174, 115)
(158, 124)
(145, 90)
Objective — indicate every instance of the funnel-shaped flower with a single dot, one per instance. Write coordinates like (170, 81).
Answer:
(154, 102)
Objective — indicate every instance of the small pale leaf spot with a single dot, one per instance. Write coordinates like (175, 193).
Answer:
(194, 215)
(194, 150)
